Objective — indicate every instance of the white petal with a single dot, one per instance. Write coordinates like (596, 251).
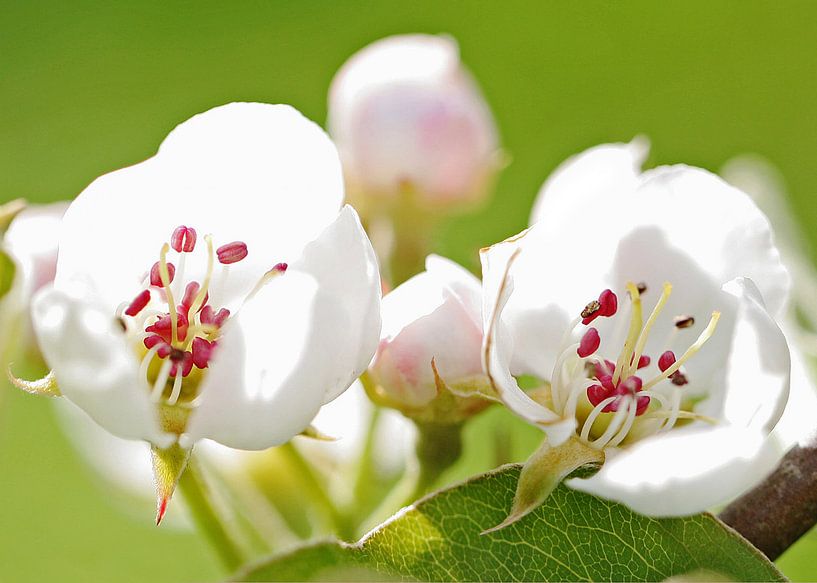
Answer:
(759, 365)
(716, 225)
(93, 363)
(686, 472)
(796, 425)
(499, 345)
(251, 172)
(604, 172)
(301, 341)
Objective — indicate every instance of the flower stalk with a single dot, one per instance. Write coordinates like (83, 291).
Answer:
(775, 514)
(208, 520)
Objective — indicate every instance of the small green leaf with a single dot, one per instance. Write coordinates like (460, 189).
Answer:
(7, 271)
(571, 537)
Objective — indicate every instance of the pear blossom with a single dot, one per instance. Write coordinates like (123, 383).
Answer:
(432, 334)
(407, 116)
(647, 303)
(216, 290)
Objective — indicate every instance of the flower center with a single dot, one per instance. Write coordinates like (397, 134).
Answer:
(172, 321)
(633, 396)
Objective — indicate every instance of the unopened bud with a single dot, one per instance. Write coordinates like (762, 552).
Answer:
(407, 116)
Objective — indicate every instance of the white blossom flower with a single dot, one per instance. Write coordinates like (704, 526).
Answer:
(217, 290)
(432, 332)
(648, 302)
(406, 114)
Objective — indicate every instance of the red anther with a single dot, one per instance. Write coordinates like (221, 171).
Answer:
(231, 252)
(138, 304)
(666, 360)
(164, 349)
(182, 361)
(164, 327)
(607, 382)
(213, 318)
(641, 404)
(183, 239)
(596, 394)
(281, 267)
(678, 378)
(589, 343)
(202, 351)
(156, 274)
(643, 361)
(608, 303)
(605, 368)
(190, 293)
(630, 386)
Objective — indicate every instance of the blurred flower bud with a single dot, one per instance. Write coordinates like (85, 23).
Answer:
(408, 118)
(32, 239)
(30, 245)
(428, 363)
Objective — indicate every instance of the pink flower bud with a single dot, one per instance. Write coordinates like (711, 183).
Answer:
(407, 116)
(434, 315)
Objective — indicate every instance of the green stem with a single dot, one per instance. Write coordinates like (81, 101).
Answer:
(316, 491)
(199, 500)
(438, 447)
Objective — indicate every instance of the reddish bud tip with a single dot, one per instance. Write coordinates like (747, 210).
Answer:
(589, 343)
(608, 303)
(643, 361)
(161, 510)
(156, 274)
(183, 239)
(138, 303)
(231, 252)
(282, 267)
(666, 360)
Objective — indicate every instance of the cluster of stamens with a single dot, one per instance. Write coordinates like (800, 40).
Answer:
(182, 332)
(617, 388)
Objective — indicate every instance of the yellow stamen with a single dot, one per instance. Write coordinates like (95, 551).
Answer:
(265, 279)
(632, 334)
(705, 335)
(199, 301)
(642, 339)
(164, 274)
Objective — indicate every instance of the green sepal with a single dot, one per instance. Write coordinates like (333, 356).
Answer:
(46, 386)
(10, 210)
(168, 466)
(8, 269)
(546, 469)
(313, 432)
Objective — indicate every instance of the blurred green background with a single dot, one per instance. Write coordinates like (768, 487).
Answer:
(87, 87)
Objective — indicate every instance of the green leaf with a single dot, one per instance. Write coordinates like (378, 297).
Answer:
(571, 537)
(7, 270)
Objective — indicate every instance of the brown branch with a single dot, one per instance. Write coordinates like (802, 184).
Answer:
(782, 508)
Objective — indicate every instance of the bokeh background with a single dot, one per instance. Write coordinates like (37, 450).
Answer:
(88, 87)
